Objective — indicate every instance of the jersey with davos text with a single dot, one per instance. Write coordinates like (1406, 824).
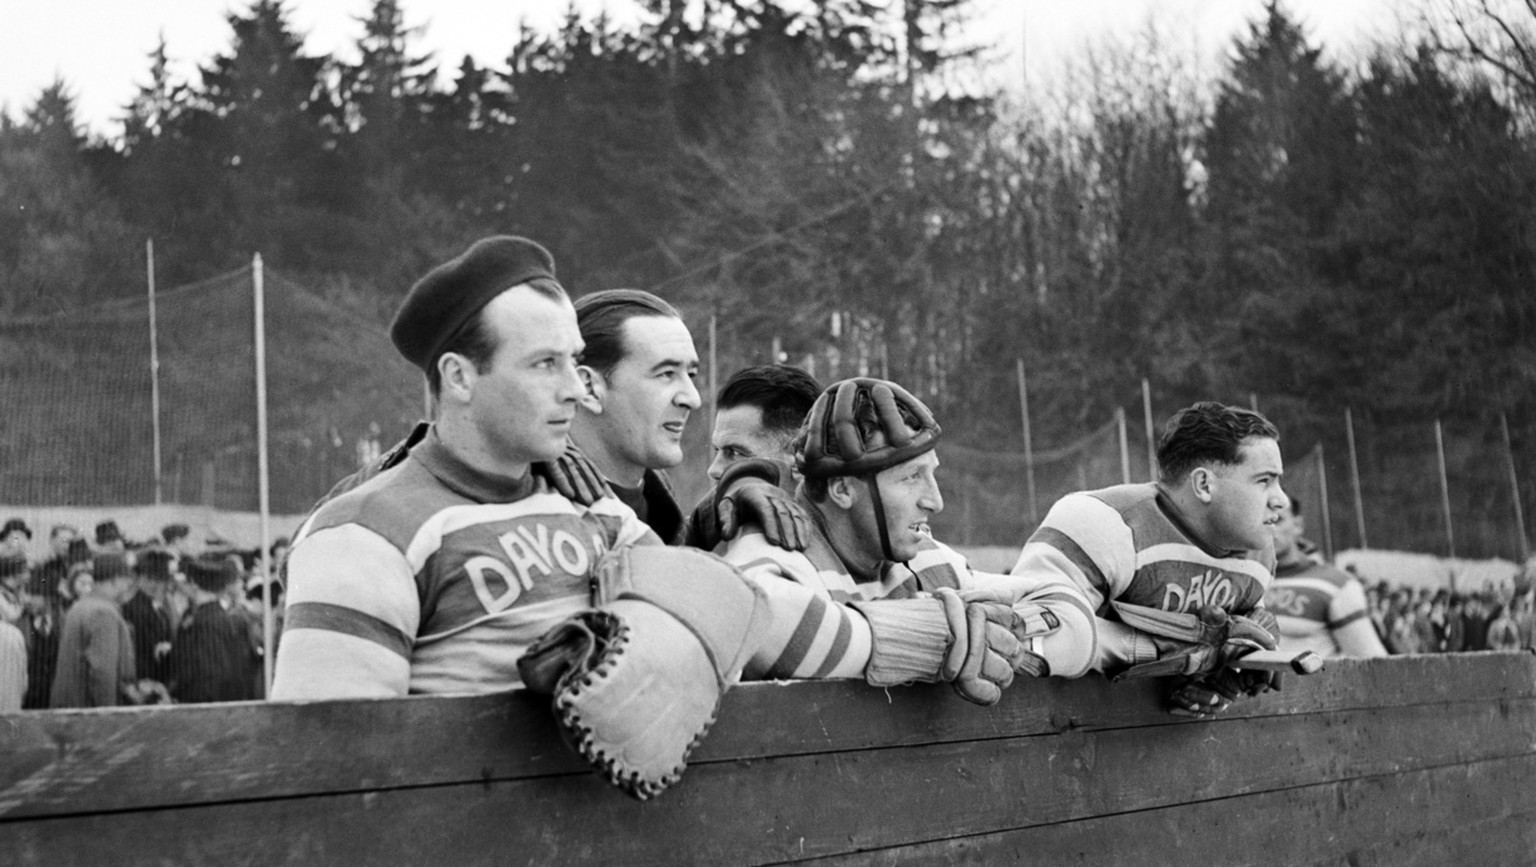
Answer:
(1312, 600)
(1125, 544)
(431, 577)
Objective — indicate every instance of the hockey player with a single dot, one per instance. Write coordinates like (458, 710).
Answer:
(1319, 608)
(866, 454)
(1176, 570)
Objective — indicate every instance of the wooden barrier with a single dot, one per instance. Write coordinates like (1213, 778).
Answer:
(1410, 760)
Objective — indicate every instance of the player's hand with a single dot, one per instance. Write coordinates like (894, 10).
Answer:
(1198, 700)
(573, 476)
(982, 659)
(749, 493)
(1026, 623)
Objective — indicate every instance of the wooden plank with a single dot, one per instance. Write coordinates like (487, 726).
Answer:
(1431, 817)
(821, 804)
(65, 762)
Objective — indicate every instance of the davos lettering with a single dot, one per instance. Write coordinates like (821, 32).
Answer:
(1209, 588)
(530, 553)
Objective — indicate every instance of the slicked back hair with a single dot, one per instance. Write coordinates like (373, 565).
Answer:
(784, 394)
(1207, 432)
(601, 317)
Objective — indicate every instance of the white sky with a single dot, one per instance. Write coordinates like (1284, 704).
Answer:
(101, 47)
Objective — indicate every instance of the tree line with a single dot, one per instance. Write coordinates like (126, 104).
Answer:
(836, 181)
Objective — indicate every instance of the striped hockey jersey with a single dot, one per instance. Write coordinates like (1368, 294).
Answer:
(1321, 609)
(1069, 651)
(1126, 544)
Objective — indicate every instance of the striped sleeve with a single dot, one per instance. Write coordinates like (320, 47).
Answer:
(1069, 650)
(351, 619)
(808, 635)
(1086, 541)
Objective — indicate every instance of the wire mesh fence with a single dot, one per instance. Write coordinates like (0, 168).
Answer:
(97, 425)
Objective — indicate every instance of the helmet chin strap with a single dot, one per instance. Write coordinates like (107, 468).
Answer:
(880, 520)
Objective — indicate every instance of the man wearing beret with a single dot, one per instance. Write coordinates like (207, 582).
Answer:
(436, 574)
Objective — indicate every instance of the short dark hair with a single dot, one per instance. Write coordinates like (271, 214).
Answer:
(784, 394)
(1207, 431)
(474, 341)
(601, 317)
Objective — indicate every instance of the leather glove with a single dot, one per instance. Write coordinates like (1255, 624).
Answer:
(1198, 643)
(749, 493)
(573, 476)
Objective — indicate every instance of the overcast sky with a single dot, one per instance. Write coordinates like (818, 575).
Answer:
(101, 47)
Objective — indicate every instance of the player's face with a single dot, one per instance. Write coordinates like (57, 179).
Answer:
(1246, 499)
(1288, 530)
(14, 542)
(740, 435)
(522, 404)
(60, 542)
(910, 494)
(650, 393)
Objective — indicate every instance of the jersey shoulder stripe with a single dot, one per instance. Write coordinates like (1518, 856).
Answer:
(347, 621)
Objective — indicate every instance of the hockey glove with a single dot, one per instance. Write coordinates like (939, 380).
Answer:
(749, 493)
(637, 682)
(573, 476)
(1181, 643)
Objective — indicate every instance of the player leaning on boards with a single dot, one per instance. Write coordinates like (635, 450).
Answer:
(867, 457)
(1319, 608)
(436, 574)
(1176, 569)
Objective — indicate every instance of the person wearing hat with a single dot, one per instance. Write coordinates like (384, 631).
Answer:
(866, 455)
(95, 666)
(48, 574)
(150, 613)
(211, 658)
(418, 578)
(15, 535)
(109, 538)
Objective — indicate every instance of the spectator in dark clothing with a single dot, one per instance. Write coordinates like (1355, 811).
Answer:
(1474, 619)
(149, 613)
(211, 658)
(1455, 627)
(95, 667)
(48, 574)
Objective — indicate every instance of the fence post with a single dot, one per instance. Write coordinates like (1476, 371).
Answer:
(1146, 407)
(1445, 490)
(1514, 490)
(1354, 472)
(1029, 455)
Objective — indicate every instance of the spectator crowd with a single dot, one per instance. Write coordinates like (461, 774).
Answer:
(107, 621)
(1425, 620)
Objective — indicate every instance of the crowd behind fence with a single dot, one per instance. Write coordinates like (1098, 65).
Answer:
(131, 403)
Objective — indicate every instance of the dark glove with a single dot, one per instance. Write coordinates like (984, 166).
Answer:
(1206, 641)
(573, 476)
(1208, 696)
(748, 492)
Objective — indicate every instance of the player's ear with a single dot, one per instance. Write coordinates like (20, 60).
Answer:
(595, 387)
(1201, 482)
(840, 491)
(457, 376)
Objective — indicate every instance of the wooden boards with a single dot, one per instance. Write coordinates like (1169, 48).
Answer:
(1374, 761)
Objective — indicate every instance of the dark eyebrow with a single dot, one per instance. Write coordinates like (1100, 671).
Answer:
(672, 362)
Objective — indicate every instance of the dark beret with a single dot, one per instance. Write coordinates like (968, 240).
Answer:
(15, 524)
(441, 302)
